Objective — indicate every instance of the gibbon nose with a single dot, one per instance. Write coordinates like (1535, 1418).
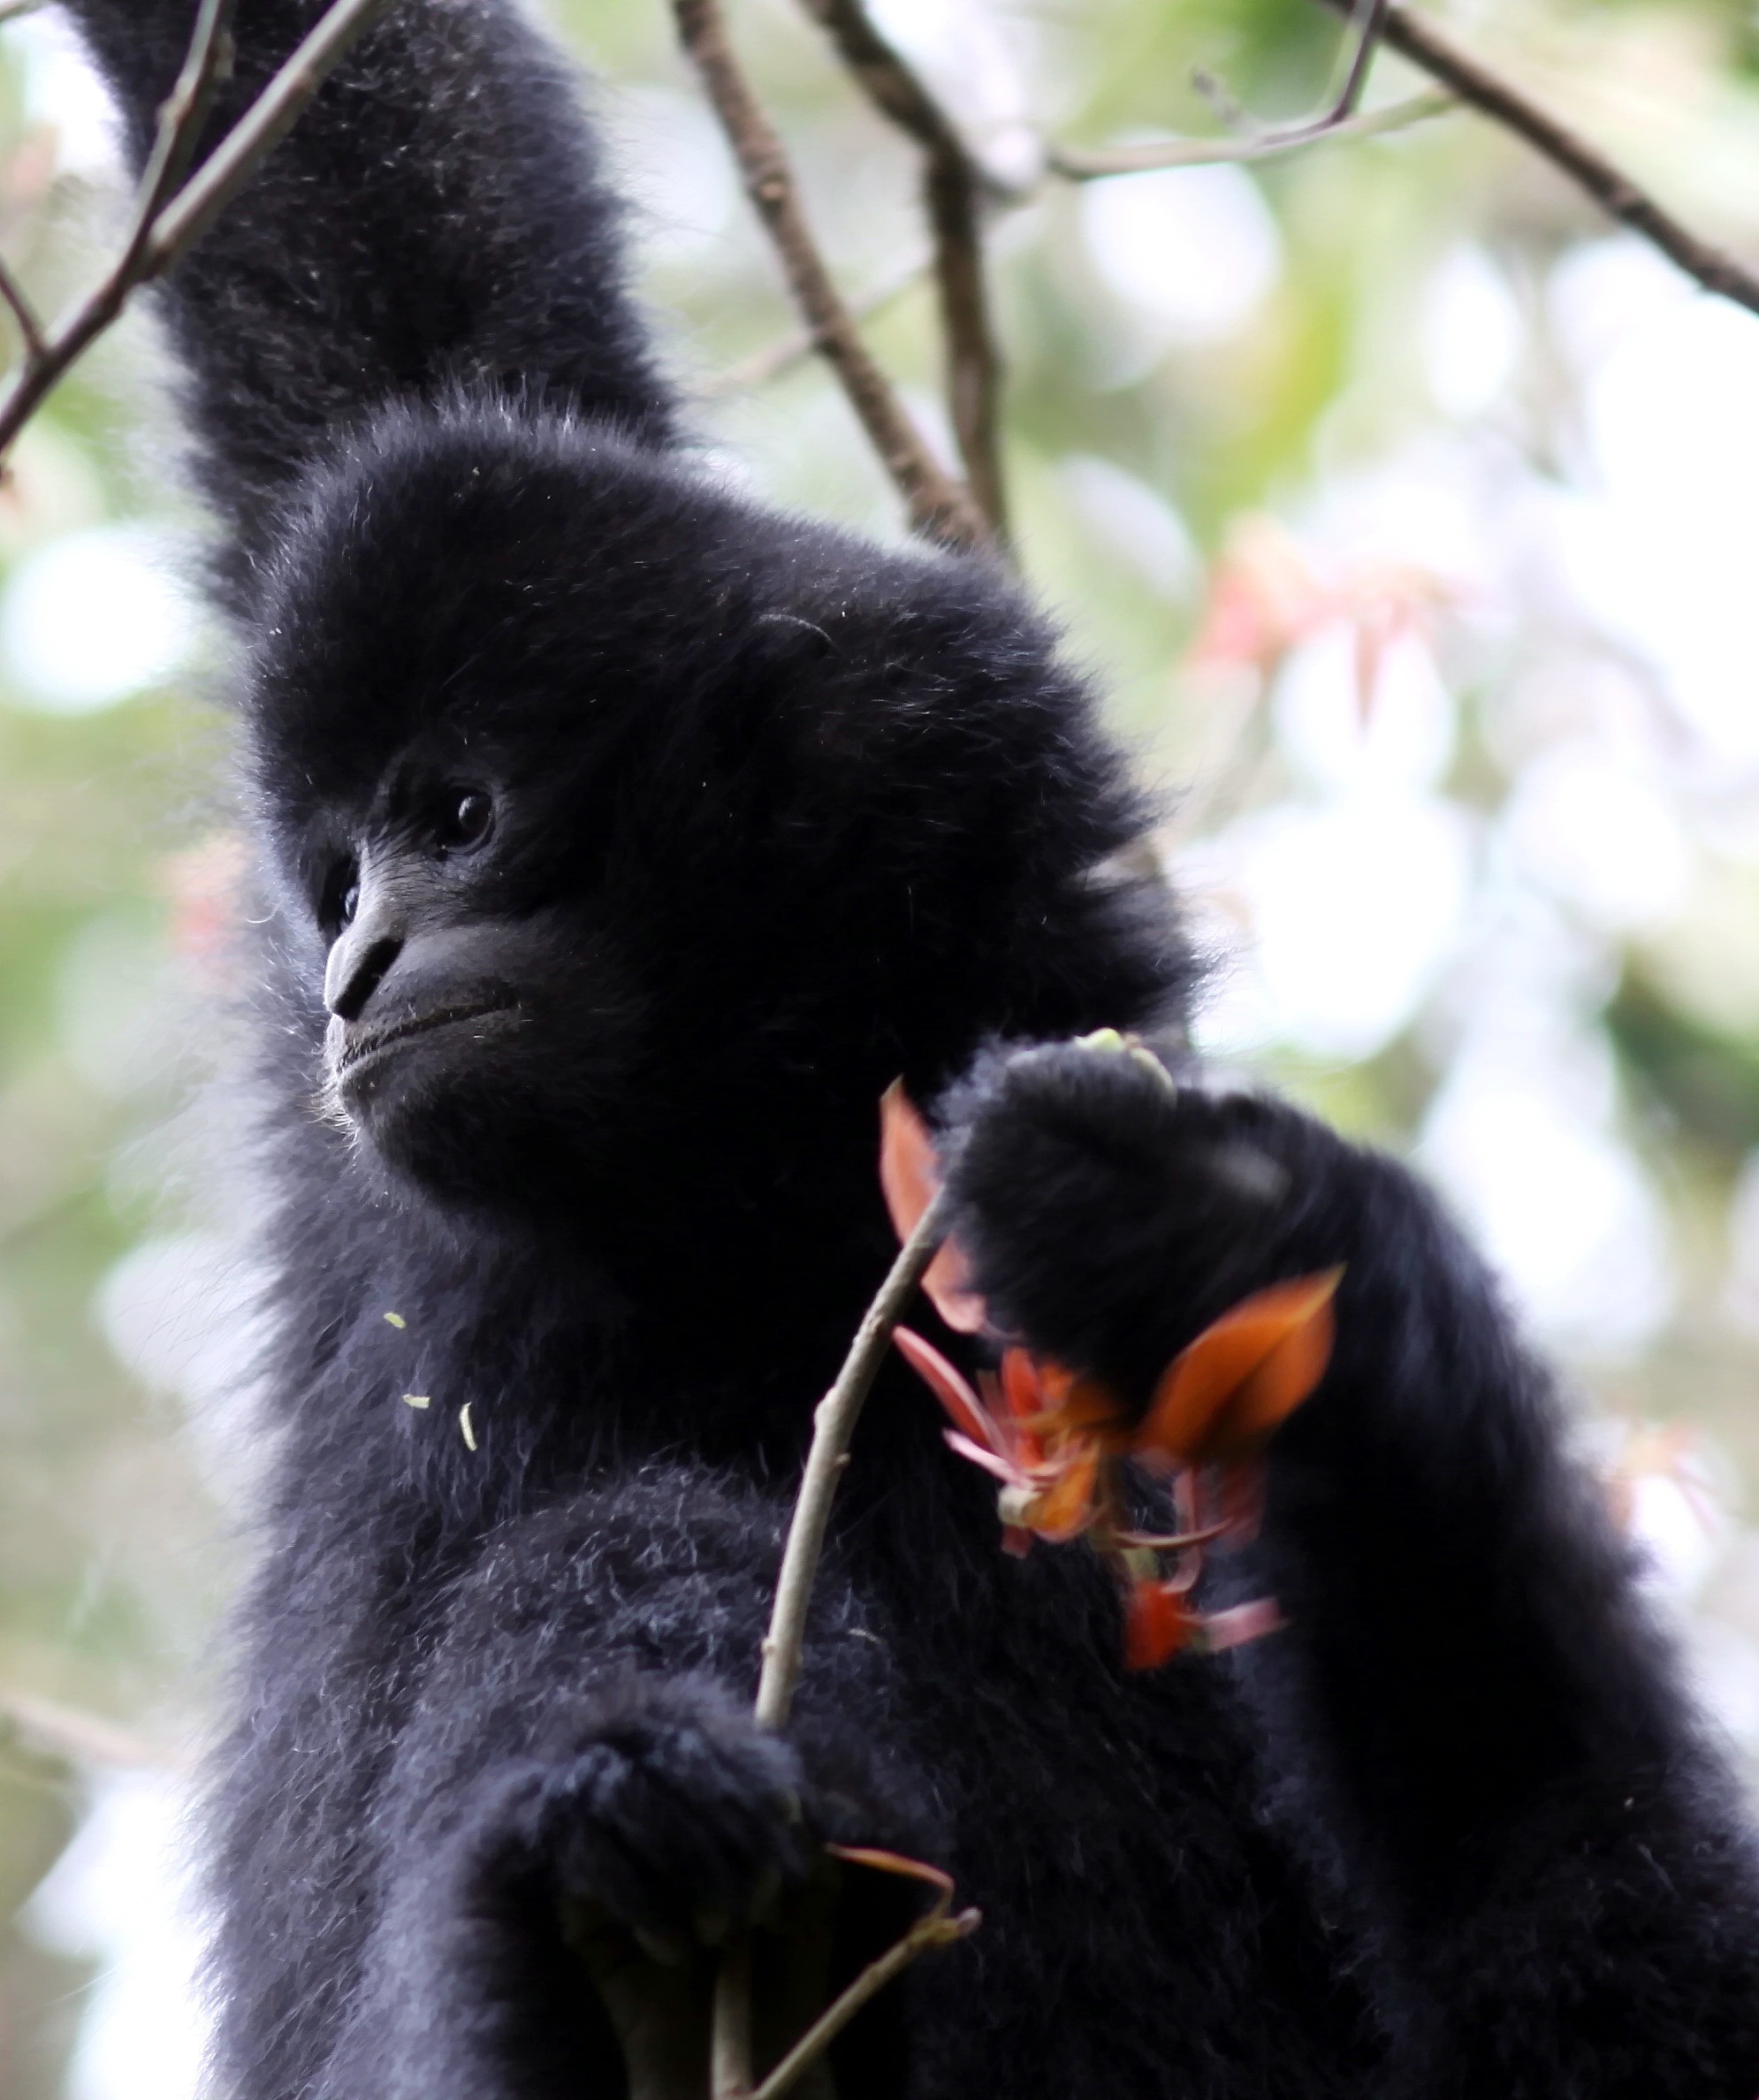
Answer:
(361, 956)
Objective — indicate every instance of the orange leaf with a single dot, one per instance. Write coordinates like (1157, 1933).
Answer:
(1065, 1508)
(1157, 1623)
(910, 1174)
(1222, 1397)
(891, 1863)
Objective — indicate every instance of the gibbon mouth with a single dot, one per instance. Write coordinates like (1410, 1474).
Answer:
(361, 1049)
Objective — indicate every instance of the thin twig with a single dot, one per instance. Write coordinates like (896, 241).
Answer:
(730, 2025)
(834, 1424)
(1366, 16)
(939, 506)
(1090, 165)
(953, 191)
(261, 129)
(14, 11)
(181, 116)
(1412, 37)
(164, 229)
(937, 1929)
(1369, 16)
(56, 1731)
(30, 326)
(774, 359)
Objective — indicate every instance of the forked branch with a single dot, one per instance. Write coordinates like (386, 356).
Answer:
(953, 189)
(834, 1422)
(939, 506)
(171, 214)
(1475, 84)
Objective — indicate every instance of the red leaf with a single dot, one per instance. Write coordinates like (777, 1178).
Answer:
(947, 1386)
(910, 1174)
(1157, 1623)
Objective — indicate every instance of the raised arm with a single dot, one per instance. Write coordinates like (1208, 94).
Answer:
(437, 215)
(1469, 1708)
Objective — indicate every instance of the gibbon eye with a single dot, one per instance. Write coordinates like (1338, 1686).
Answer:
(351, 903)
(469, 820)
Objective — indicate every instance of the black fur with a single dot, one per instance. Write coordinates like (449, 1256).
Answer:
(776, 816)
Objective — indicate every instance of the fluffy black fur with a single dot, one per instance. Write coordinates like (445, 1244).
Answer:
(648, 835)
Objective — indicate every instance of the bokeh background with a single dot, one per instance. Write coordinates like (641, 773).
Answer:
(1404, 513)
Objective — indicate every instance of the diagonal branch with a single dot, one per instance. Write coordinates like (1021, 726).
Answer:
(1412, 37)
(1077, 163)
(169, 220)
(772, 360)
(939, 506)
(834, 1422)
(30, 326)
(51, 1729)
(952, 190)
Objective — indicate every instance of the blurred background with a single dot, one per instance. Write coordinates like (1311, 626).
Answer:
(1404, 513)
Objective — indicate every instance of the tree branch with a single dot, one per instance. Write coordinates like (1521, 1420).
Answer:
(30, 327)
(953, 192)
(934, 1929)
(166, 224)
(834, 1422)
(1090, 165)
(1474, 83)
(939, 506)
(56, 1731)
(774, 359)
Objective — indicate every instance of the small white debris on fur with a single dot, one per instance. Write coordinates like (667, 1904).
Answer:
(416, 1399)
(464, 1424)
(395, 1320)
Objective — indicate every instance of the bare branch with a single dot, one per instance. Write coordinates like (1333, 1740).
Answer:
(166, 226)
(936, 1929)
(952, 190)
(14, 11)
(84, 1740)
(181, 116)
(1412, 37)
(1370, 15)
(834, 1424)
(1090, 165)
(30, 327)
(774, 359)
(939, 506)
(261, 129)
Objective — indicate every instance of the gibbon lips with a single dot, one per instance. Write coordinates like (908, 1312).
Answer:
(359, 1045)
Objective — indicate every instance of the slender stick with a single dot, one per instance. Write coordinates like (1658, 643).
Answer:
(181, 116)
(164, 229)
(1413, 37)
(30, 327)
(939, 506)
(56, 1731)
(935, 1930)
(834, 1424)
(261, 129)
(1370, 15)
(953, 191)
(1079, 164)
(774, 359)
(730, 2031)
